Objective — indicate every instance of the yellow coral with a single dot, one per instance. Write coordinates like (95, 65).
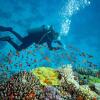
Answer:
(46, 75)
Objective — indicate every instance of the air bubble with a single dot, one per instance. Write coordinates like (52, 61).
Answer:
(89, 2)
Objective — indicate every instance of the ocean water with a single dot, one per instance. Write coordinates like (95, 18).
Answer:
(76, 21)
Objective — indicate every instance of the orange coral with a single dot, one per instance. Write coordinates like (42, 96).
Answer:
(79, 98)
(30, 95)
(94, 98)
(47, 81)
(11, 97)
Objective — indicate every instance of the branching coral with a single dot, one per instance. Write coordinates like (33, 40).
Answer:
(68, 81)
(68, 75)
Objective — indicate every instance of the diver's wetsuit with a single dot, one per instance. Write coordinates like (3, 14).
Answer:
(38, 36)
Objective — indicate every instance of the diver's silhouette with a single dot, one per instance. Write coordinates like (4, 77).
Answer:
(39, 36)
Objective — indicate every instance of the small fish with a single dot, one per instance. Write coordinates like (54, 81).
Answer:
(5, 74)
(20, 65)
(30, 52)
(94, 65)
(28, 65)
(46, 58)
(41, 52)
(97, 74)
(90, 65)
(73, 48)
(89, 62)
(1, 65)
(79, 98)
(62, 55)
(15, 65)
(6, 59)
(84, 61)
(24, 72)
(94, 98)
(7, 68)
(9, 61)
(72, 53)
(9, 54)
(41, 60)
(31, 59)
(12, 78)
(22, 56)
(69, 58)
(35, 61)
(44, 45)
(17, 53)
(11, 97)
(83, 54)
(30, 95)
(90, 56)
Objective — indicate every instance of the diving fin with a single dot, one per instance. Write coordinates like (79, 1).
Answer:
(6, 38)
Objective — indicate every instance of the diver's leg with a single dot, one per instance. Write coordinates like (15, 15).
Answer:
(17, 35)
(6, 38)
(9, 40)
(17, 47)
(3, 29)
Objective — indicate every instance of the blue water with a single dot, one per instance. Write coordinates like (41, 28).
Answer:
(77, 21)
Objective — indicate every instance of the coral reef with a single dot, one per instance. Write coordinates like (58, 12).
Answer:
(94, 80)
(73, 86)
(45, 83)
(95, 87)
(88, 71)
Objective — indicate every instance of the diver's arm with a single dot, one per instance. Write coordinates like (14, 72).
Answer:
(49, 43)
(2, 28)
(62, 46)
(59, 42)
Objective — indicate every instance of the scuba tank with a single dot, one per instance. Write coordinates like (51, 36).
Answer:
(37, 30)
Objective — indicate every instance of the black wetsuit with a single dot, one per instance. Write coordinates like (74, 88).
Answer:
(39, 36)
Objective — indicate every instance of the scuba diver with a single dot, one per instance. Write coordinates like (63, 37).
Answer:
(43, 34)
